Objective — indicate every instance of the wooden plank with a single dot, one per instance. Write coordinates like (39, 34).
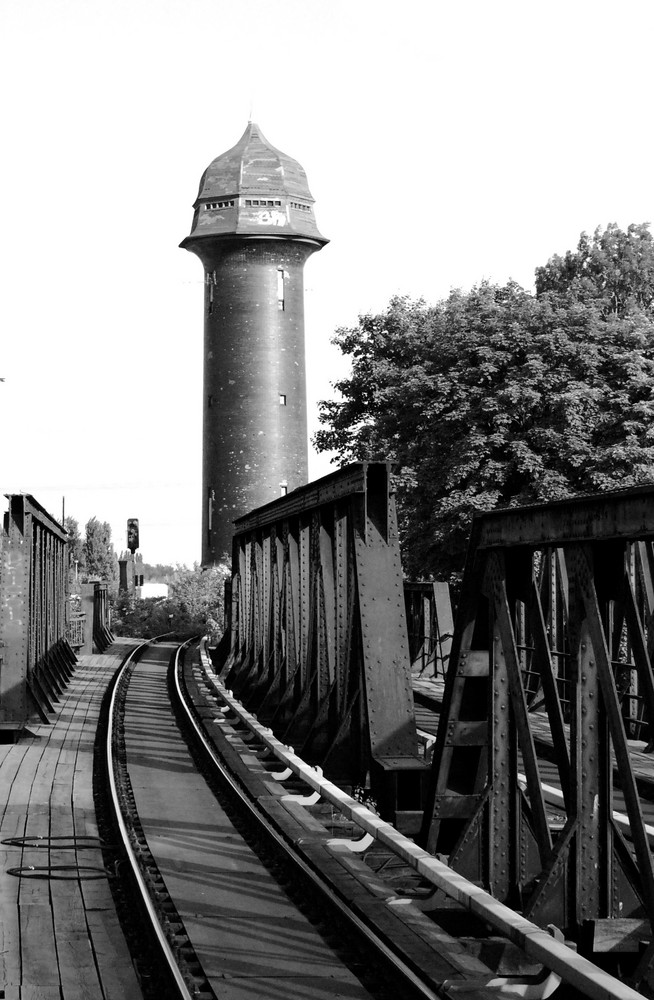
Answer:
(10, 922)
(77, 971)
(40, 966)
(425, 947)
(30, 991)
(117, 974)
(437, 938)
(12, 759)
(619, 934)
(38, 950)
(19, 768)
(33, 890)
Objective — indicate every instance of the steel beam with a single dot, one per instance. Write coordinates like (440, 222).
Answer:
(553, 643)
(36, 657)
(319, 648)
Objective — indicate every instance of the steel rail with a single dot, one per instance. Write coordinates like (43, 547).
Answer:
(164, 946)
(537, 943)
(366, 932)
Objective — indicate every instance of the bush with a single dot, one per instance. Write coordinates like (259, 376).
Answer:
(195, 607)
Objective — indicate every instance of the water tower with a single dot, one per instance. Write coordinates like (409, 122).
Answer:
(253, 230)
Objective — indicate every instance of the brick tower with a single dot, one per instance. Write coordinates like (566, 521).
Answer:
(253, 230)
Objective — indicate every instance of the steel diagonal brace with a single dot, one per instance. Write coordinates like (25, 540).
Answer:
(583, 570)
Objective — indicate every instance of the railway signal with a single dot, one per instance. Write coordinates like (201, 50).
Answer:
(132, 534)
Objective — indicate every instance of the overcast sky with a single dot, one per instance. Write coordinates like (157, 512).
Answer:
(444, 143)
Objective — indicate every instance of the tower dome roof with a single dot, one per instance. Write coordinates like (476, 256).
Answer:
(254, 189)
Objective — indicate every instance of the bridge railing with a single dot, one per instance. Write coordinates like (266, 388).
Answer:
(318, 639)
(552, 650)
(37, 659)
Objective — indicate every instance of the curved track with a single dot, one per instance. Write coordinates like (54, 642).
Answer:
(230, 917)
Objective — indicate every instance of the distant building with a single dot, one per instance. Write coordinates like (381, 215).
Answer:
(253, 230)
(130, 567)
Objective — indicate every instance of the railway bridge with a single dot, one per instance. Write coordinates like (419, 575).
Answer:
(502, 762)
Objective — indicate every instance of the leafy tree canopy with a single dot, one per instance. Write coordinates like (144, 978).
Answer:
(100, 558)
(159, 572)
(614, 270)
(498, 397)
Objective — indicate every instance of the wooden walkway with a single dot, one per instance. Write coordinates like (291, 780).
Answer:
(60, 938)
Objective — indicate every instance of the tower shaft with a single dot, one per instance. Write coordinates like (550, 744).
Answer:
(255, 419)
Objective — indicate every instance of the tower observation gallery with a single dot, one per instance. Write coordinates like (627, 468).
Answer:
(253, 230)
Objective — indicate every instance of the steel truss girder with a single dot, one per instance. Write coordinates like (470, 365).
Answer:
(318, 640)
(554, 640)
(102, 636)
(36, 658)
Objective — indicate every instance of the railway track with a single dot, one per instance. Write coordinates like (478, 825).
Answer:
(231, 907)
(260, 878)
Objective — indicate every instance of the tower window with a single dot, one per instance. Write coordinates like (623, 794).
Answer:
(212, 205)
(281, 274)
(282, 399)
(300, 208)
(283, 489)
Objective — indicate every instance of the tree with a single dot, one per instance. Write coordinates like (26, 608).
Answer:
(159, 573)
(614, 270)
(195, 607)
(199, 594)
(101, 562)
(76, 553)
(498, 397)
